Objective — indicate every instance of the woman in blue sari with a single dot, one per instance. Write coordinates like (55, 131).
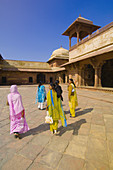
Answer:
(41, 96)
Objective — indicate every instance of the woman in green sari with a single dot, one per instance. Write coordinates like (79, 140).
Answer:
(53, 108)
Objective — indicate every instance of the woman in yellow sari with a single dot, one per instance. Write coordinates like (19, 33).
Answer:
(53, 108)
(72, 97)
(59, 91)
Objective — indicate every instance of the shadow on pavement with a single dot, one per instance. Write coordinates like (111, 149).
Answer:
(83, 112)
(44, 127)
(41, 128)
(79, 113)
(67, 112)
(73, 126)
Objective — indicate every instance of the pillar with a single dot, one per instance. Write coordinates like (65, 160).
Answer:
(99, 74)
(80, 76)
(69, 42)
(96, 77)
(77, 76)
(70, 76)
(66, 79)
(60, 81)
(77, 37)
(83, 81)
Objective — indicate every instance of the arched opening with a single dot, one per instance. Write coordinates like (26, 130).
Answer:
(30, 79)
(63, 78)
(51, 79)
(40, 77)
(89, 73)
(4, 80)
(107, 74)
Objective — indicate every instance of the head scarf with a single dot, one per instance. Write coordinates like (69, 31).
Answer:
(15, 101)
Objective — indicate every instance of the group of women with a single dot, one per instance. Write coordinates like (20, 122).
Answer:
(54, 102)
(54, 107)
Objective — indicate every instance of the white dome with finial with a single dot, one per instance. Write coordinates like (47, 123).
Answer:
(60, 52)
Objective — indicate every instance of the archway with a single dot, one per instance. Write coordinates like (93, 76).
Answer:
(40, 77)
(4, 80)
(107, 74)
(51, 79)
(63, 78)
(89, 75)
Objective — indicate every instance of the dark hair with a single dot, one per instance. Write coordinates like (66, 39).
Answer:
(40, 83)
(57, 82)
(52, 85)
(72, 82)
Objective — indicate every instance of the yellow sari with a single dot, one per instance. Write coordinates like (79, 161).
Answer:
(55, 110)
(61, 112)
(73, 103)
(52, 105)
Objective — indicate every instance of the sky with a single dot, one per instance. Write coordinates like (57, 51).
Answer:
(31, 30)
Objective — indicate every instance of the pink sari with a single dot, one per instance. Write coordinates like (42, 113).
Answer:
(17, 124)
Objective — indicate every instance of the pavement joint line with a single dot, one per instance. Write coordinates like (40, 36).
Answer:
(4, 125)
(60, 160)
(3, 119)
(93, 98)
(38, 153)
(87, 142)
(102, 89)
(96, 98)
(97, 104)
(107, 144)
(65, 150)
(11, 141)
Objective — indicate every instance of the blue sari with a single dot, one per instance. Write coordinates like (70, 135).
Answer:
(41, 94)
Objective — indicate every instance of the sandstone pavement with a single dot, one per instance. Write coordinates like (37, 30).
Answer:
(85, 144)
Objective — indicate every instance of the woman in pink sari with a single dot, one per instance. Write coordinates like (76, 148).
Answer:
(18, 122)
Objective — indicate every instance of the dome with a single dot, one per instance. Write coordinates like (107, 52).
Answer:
(60, 52)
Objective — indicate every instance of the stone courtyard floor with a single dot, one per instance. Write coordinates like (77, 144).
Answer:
(85, 144)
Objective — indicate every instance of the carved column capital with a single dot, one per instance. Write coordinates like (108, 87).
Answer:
(93, 62)
(101, 64)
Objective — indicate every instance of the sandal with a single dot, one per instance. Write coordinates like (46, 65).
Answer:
(16, 135)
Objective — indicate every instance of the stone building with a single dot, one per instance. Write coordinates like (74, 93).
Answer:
(91, 59)
(89, 62)
(30, 72)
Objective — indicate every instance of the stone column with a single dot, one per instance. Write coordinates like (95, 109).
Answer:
(83, 81)
(69, 42)
(77, 37)
(80, 76)
(99, 74)
(66, 79)
(77, 76)
(70, 76)
(96, 77)
(60, 79)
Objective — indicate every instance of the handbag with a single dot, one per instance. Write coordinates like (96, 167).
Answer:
(48, 119)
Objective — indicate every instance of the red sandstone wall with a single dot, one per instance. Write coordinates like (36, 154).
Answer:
(14, 77)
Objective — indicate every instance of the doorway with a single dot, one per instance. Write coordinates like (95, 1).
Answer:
(40, 77)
